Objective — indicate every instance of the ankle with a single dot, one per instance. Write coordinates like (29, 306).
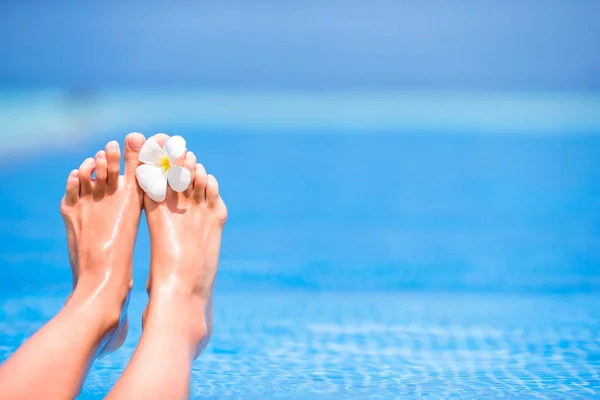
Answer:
(179, 315)
(105, 302)
(105, 287)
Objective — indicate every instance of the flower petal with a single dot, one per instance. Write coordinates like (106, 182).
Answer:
(179, 178)
(158, 190)
(153, 180)
(151, 152)
(175, 147)
(147, 174)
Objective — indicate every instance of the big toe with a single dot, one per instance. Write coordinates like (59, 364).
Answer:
(161, 138)
(133, 144)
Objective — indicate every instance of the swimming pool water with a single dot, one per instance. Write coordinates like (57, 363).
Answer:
(361, 265)
(376, 345)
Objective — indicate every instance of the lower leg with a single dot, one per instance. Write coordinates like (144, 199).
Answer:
(56, 359)
(173, 330)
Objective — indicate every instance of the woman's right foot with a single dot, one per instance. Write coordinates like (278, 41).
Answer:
(185, 234)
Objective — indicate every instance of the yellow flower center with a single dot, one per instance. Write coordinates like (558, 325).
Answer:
(164, 163)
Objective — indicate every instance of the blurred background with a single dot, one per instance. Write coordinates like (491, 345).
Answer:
(378, 146)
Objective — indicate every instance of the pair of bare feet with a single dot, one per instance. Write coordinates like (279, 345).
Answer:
(102, 216)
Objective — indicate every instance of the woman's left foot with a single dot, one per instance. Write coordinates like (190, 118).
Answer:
(101, 217)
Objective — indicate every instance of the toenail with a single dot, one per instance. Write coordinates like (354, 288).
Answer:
(113, 145)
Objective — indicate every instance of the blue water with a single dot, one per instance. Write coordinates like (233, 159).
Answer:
(360, 265)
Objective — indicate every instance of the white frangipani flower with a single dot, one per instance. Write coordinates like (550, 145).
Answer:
(158, 168)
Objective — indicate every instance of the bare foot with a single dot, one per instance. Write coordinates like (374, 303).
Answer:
(102, 216)
(185, 235)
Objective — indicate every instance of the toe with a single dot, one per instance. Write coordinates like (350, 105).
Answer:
(85, 177)
(212, 191)
(200, 179)
(161, 138)
(214, 201)
(190, 163)
(72, 193)
(133, 144)
(113, 157)
(101, 173)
